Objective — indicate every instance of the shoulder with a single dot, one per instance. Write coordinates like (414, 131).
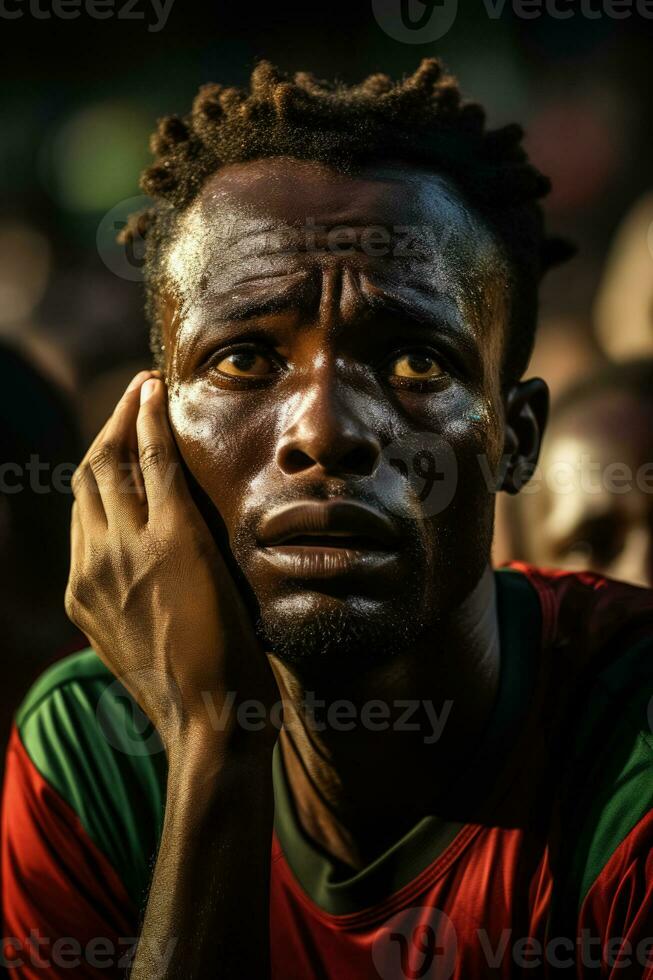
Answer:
(83, 669)
(78, 707)
(588, 610)
(85, 736)
(598, 637)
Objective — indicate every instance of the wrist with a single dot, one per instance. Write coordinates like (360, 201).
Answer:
(199, 759)
(229, 795)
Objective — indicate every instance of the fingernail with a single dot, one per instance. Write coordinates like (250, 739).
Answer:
(148, 390)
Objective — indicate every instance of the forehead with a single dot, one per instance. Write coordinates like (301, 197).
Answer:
(276, 217)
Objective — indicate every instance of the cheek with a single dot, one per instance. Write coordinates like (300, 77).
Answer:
(223, 447)
(461, 505)
(471, 425)
(474, 500)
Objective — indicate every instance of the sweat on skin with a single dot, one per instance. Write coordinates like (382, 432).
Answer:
(287, 372)
(239, 272)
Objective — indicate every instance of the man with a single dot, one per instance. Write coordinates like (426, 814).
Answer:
(590, 505)
(343, 295)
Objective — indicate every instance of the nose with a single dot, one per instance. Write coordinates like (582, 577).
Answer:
(329, 432)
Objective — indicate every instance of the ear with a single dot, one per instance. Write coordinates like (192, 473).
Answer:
(526, 409)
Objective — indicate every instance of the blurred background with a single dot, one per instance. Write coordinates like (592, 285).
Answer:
(79, 99)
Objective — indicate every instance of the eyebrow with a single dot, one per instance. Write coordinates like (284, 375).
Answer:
(238, 309)
(229, 308)
(298, 292)
(423, 308)
(251, 307)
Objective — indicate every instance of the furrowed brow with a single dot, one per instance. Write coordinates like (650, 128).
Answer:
(250, 298)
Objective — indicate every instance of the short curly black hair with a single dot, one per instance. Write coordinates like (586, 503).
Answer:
(421, 119)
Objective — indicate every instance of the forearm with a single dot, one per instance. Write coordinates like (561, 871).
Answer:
(208, 909)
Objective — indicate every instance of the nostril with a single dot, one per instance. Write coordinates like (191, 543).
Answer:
(296, 461)
(359, 461)
(342, 455)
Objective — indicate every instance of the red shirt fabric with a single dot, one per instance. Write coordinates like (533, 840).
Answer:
(551, 875)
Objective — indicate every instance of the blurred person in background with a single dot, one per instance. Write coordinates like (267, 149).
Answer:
(623, 309)
(591, 504)
(575, 357)
(39, 448)
(564, 351)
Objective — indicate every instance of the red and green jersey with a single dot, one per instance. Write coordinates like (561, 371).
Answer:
(554, 875)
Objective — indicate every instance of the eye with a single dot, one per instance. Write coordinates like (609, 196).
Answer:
(597, 543)
(247, 362)
(415, 365)
(580, 551)
(595, 553)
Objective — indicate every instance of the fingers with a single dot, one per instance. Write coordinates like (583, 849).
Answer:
(88, 507)
(113, 461)
(157, 451)
(107, 485)
(132, 469)
(76, 534)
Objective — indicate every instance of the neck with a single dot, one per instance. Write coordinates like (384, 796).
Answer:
(355, 755)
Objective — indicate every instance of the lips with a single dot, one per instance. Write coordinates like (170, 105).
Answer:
(335, 524)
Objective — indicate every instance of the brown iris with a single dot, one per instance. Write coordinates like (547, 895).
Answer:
(415, 366)
(245, 364)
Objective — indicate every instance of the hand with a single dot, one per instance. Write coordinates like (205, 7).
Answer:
(150, 589)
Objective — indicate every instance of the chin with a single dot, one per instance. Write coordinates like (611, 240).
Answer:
(316, 633)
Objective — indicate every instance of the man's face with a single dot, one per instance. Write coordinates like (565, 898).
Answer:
(333, 350)
(592, 507)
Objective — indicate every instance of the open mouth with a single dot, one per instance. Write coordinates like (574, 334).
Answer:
(328, 538)
(328, 524)
(349, 542)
